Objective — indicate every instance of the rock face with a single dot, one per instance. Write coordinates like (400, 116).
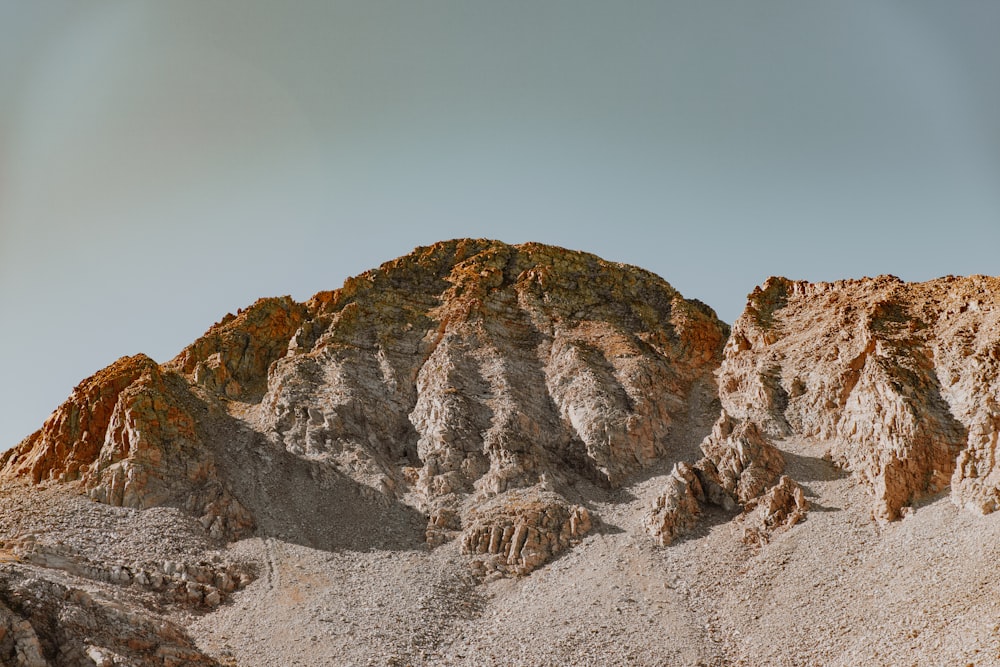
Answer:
(127, 435)
(739, 463)
(677, 509)
(443, 379)
(895, 381)
(778, 509)
(474, 367)
(739, 467)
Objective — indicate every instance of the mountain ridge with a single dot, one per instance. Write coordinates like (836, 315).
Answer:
(495, 412)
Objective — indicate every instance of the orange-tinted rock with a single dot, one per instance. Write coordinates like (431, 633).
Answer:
(72, 438)
(777, 510)
(739, 463)
(474, 368)
(233, 356)
(895, 381)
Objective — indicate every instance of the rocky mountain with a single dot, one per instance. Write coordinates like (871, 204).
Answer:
(456, 450)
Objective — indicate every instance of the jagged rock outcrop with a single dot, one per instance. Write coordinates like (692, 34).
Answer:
(19, 645)
(233, 356)
(740, 468)
(677, 509)
(778, 509)
(128, 436)
(895, 381)
(198, 585)
(465, 370)
(739, 463)
(521, 530)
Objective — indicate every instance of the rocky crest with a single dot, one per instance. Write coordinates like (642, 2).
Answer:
(128, 437)
(895, 382)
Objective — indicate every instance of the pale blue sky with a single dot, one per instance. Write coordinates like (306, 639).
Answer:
(162, 163)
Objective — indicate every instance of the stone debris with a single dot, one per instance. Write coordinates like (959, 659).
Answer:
(45, 623)
(201, 584)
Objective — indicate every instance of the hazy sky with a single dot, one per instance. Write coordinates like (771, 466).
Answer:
(164, 163)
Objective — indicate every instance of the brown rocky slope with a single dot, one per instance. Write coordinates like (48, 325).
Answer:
(896, 382)
(366, 477)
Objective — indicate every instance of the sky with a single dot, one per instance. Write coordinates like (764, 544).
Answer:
(164, 163)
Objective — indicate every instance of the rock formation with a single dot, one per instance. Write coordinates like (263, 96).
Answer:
(739, 466)
(128, 437)
(466, 369)
(46, 623)
(778, 509)
(481, 404)
(895, 381)
(521, 530)
(678, 507)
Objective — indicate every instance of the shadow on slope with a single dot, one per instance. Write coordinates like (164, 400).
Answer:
(308, 502)
(811, 468)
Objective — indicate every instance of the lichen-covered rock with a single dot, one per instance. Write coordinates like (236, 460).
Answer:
(677, 509)
(778, 509)
(485, 366)
(522, 530)
(895, 381)
(72, 437)
(233, 356)
(472, 368)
